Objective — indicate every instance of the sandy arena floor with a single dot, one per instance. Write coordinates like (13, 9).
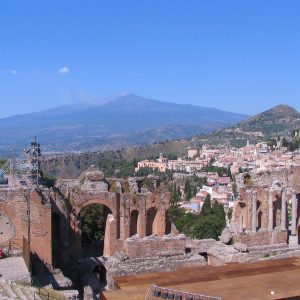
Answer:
(273, 279)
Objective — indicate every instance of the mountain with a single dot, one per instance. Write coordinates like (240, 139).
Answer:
(118, 121)
(280, 120)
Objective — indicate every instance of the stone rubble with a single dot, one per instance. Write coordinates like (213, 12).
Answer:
(226, 236)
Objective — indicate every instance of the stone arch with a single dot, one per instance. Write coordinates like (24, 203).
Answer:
(98, 278)
(91, 245)
(277, 211)
(259, 215)
(241, 215)
(104, 202)
(168, 224)
(134, 222)
(151, 221)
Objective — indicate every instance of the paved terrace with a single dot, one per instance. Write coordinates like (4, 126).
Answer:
(233, 281)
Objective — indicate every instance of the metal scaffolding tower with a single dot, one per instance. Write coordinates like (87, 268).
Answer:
(24, 168)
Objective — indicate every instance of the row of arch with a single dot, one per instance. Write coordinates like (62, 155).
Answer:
(280, 209)
(152, 223)
(152, 220)
(244, 221)
(115, 227)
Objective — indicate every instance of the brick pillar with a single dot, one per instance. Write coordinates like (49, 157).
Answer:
(270, 214)
(294, 213)
(254, 215)
(110, 237)
(142, 218)
(125, 222)
(293, 238)
(283, 209)
(240, 223)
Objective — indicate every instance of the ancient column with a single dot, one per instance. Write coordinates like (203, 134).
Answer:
(283, 209)
(294, 213)
(254, 216)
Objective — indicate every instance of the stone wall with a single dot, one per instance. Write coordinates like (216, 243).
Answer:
(220, 254)
(263, 237)
(283, 177)
(199, 246)
(155, 246)
(16, 204)
(40, 231)
(7, 230)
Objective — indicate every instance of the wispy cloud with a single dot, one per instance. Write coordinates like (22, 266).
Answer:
(13, 72)
(63, 70)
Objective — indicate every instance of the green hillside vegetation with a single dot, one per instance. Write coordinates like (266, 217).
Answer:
(71, 166)
(208, 224)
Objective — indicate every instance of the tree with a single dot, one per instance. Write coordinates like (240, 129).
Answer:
(247, 179)
(206, 207)
(92, 223)
(194, 190)
(175, 212)
(188, 190)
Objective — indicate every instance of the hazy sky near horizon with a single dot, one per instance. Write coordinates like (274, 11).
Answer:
(241, 56)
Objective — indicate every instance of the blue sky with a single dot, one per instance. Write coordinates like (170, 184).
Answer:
(241, 56)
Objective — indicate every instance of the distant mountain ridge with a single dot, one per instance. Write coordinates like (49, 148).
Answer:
(120, 121)
(278, 120)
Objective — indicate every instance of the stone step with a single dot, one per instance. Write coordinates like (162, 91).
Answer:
(19, 292)
(153, 262)
(8, 291)
(268, 247)
(70, 294)
(143, 259)
(28, 294)
(11, 291)
(39, 294)
(262, 252)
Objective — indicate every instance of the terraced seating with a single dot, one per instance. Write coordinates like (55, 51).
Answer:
(10, 290)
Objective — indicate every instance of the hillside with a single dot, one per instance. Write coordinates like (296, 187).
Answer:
(121, 121)
(72, 165)
(279, 120)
